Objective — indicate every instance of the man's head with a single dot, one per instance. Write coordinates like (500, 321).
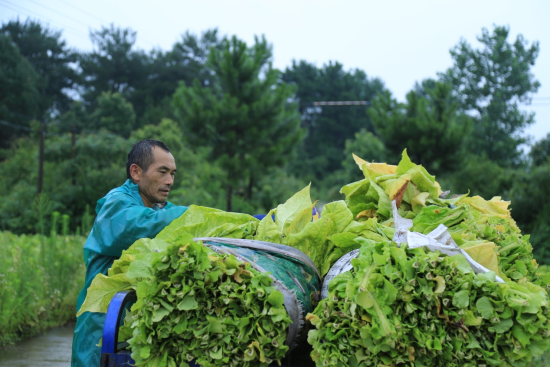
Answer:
(152, 167)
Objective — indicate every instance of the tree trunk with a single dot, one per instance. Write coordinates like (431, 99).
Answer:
(40, 160)
(250, 186)
(73, 153)
(229, 195)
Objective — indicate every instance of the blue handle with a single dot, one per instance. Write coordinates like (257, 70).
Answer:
(112, 320)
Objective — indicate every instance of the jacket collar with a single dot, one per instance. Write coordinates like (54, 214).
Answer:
(133, 189)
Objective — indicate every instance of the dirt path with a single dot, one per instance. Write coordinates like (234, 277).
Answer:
(52, 349)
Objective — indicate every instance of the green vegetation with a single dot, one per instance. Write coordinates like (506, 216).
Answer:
(244, 118)
(233, 122)
(40, 278)
(414, 307)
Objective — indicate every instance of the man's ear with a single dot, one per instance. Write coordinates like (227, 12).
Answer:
(135, 172)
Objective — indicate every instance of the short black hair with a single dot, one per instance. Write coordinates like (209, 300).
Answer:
(142, 154)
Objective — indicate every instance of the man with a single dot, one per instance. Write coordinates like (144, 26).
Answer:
(137, 209)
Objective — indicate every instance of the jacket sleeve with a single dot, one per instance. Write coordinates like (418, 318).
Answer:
(121, 221)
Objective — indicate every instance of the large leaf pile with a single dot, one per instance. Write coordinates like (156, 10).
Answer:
(420, 308)
(401, 306)
(195, 304)
(483, 228)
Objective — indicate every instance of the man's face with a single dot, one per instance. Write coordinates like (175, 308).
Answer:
(155, 183)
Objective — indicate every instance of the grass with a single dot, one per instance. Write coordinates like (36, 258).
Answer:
(40, 278)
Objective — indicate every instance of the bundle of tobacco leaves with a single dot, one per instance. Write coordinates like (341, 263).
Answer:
(482, 228)
(194, 304)
(413, 307)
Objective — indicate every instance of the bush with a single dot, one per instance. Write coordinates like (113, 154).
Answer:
(40, 278)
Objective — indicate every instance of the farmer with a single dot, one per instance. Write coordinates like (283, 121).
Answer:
(137, 209)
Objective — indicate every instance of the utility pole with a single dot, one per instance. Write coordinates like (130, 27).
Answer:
(73, 150)
(40, 160)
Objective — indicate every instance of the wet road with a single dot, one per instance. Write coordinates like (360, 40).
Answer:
(51, 349)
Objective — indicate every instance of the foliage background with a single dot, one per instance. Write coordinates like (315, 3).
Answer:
(245, 135)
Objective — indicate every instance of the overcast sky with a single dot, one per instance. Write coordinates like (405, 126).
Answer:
(400, 42)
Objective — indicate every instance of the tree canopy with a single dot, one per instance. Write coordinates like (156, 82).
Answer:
(18, 92)
(51, 59)
(328, 128)
(490, 83)
(431, 127)
(244, 116)
(245, 135)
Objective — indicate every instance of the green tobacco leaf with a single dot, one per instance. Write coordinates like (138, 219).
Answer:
(342, 214)
(502, 326)
(471, 320)
(201, 221)
(345, 240)
(313, 239)
(143, 245)
(329, 260)
(101, 291)
(440, 288)
(299, 222)
(160, 314)
(461, 299)
(405, 164)
(432, 216)
(423, 181)
(276, 299)
(292, 208)
(188, 303)
(193, 215)
(521, 335)
(141, 266)
(419, 201)
(379, 196)
(356, 188)
(268, 230)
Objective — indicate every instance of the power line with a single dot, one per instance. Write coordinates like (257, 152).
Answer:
(15, 126)
(98, 18)
(56, 12)
(29, 13)
(21, 9)
(82, 11)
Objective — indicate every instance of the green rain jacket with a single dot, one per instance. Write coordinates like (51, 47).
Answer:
(122, 219)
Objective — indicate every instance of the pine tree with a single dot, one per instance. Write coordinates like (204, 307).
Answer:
(245, 115)
(490, 83)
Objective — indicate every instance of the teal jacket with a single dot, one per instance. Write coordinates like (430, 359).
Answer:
(121, 219)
